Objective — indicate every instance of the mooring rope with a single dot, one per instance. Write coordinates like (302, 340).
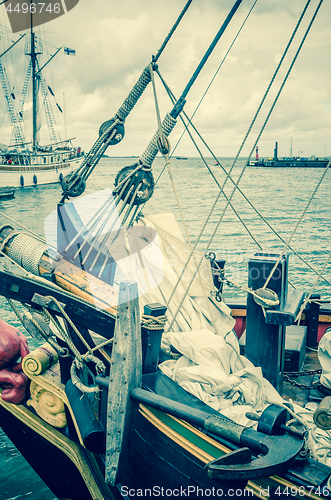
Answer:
(153, 322)
(267, 302)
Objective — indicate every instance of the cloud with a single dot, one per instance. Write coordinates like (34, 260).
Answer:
(114, 41)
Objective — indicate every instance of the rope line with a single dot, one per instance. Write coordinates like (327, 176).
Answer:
(164, 147)
(244, 141)
(108, 129)
(253, 148)
(211, 82)
(297, 224)
(266, 302)
(171, 95)
(171, 32)
(23, 227)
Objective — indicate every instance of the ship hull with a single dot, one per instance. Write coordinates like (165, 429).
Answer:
(160, 458)
(167, 459)
(68, 470)
(35, 175)
(290, 164)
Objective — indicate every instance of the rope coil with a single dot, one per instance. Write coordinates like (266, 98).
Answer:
(25, 251)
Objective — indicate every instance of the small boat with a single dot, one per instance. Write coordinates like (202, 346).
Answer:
(7, 192)
(26, 162)
(142, 389)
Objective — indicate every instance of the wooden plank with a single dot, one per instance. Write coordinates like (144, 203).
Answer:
(125, 374)
(238, 313)
(84, 285)
(323, 318)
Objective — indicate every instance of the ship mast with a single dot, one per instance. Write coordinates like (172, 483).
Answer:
(33, 54)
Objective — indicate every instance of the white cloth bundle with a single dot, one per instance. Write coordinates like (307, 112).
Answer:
(214, 371)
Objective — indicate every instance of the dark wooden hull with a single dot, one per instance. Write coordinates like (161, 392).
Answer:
(160, 457)
(165, 452)
(67, 469)
(156, 461)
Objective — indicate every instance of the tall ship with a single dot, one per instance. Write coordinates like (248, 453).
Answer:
(292, 161)
(25, 161)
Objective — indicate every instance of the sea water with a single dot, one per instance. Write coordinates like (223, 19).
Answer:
(279, 195)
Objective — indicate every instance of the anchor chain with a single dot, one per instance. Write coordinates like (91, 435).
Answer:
(314, 385)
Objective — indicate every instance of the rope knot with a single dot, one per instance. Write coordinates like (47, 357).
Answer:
(154, 322)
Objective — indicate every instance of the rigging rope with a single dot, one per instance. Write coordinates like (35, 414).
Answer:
(171, 95)
(173, 99)
(164, 148)
(297, 224)
(134, 184)
(209, 85)
(245, 138)
(240, 149)
(112, 131)
(169, 122)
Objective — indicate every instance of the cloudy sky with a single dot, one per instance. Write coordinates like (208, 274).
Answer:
(114, 41)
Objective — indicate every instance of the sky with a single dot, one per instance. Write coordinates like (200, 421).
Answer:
(114, 42)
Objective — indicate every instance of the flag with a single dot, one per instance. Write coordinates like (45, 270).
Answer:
(69, 52)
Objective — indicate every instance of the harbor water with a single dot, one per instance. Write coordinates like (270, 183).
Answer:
(279, 195)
